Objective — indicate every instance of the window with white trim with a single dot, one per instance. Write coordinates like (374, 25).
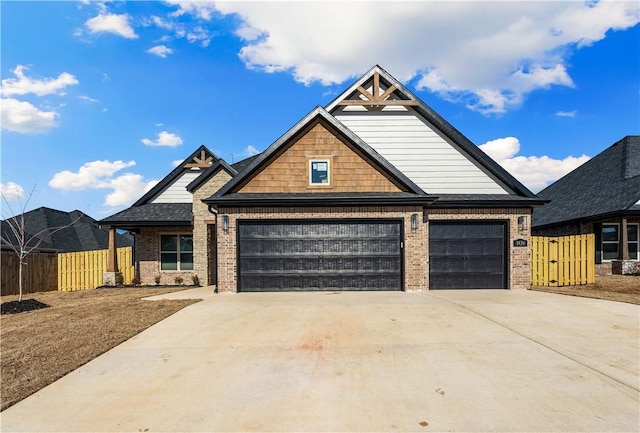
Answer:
(176, 252)
(319, 173)
(611, 241)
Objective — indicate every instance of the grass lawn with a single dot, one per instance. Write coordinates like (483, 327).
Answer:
(622, 288)
(38, 347)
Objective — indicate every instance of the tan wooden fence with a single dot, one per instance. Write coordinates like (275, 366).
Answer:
(39, 273)
(84, 270)
(563, 260)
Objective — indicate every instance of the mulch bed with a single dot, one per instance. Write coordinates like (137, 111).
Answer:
(15, 307)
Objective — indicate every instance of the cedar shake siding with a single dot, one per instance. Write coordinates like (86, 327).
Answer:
(289, 173)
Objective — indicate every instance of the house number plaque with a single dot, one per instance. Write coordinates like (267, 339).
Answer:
(520, 243)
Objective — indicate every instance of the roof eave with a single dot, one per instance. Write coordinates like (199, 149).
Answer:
(319, 201)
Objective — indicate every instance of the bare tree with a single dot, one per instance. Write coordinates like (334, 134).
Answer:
(21, 242)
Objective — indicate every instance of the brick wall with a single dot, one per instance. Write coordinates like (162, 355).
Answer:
(148, 256)
(415, 241)
(519, 266)
(202, 251)
(348, 172)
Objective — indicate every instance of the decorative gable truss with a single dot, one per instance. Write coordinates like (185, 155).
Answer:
(173, 188)
(418, 141)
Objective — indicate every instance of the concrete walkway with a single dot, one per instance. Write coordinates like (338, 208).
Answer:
(440, 361)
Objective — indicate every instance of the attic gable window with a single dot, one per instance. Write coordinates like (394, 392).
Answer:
(319, 172)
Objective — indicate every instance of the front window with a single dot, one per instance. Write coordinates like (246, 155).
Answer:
(319, 172)
(611, 241)
(176, 252)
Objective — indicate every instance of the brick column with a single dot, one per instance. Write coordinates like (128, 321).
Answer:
(623, 246)
(111, 276)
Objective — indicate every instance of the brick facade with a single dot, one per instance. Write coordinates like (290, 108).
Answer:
(416, 242)
(147, 256)
(202, 219)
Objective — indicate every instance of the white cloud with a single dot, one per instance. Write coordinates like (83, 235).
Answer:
(488, 55)
(251, 150)
(567, 113)
(536, 172)
(160, 51)
(201, 8)
(23, 85)
(164, 139)
(176, 162)
(87, 98)
(12, 191)
(95, 174)
(25, 118)
(111, 23)
(125, 188)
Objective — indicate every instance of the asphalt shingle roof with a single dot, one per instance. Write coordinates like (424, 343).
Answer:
(150, 214)
(83, 235)
(608, 183)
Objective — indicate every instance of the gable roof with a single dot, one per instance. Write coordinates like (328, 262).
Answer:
(606, 185)
(144, 213)
(441, 126)
(220, 164)
(174, 174)
(83, 233)
(317, 115)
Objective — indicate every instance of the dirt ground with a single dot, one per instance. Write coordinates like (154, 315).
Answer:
(622, 288)
(38, 347)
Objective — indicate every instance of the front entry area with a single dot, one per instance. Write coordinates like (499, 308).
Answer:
(303, 255)
(467, 255)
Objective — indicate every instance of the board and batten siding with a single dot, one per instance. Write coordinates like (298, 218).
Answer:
(177, 191)
(407, 142)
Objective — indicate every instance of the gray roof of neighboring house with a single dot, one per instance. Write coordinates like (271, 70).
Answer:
(82, 234)
(607, 184)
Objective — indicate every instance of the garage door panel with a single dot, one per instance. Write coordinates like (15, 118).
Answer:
(467, 255)
(301, 255)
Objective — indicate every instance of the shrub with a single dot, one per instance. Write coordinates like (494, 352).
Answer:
(178, 280)
(136, 281)
(157, 279)
(195, 279)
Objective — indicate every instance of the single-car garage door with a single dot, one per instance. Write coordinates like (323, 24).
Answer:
(319, 255)
(467, 255)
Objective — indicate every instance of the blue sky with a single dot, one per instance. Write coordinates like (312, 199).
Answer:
(99, 99)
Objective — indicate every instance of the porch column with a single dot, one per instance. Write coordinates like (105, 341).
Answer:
(112, 258)
(623, 246)
(111, 276)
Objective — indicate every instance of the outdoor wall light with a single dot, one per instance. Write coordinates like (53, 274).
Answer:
(522, 223)
(414, 221)
(225, 223)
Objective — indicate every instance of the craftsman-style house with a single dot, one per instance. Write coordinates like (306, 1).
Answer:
(375, 191)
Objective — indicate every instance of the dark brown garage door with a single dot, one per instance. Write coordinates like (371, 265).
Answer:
(467, 255)
(319, 255)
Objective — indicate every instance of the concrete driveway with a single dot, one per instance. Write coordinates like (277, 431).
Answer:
(440, 361)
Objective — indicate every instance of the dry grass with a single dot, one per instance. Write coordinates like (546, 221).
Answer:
(622, 288)
(38, 347)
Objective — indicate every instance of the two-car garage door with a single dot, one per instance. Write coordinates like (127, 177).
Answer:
(319, 255)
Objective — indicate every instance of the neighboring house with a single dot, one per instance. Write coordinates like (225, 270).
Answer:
(375, 191)
(80, 232)
(602, 196)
